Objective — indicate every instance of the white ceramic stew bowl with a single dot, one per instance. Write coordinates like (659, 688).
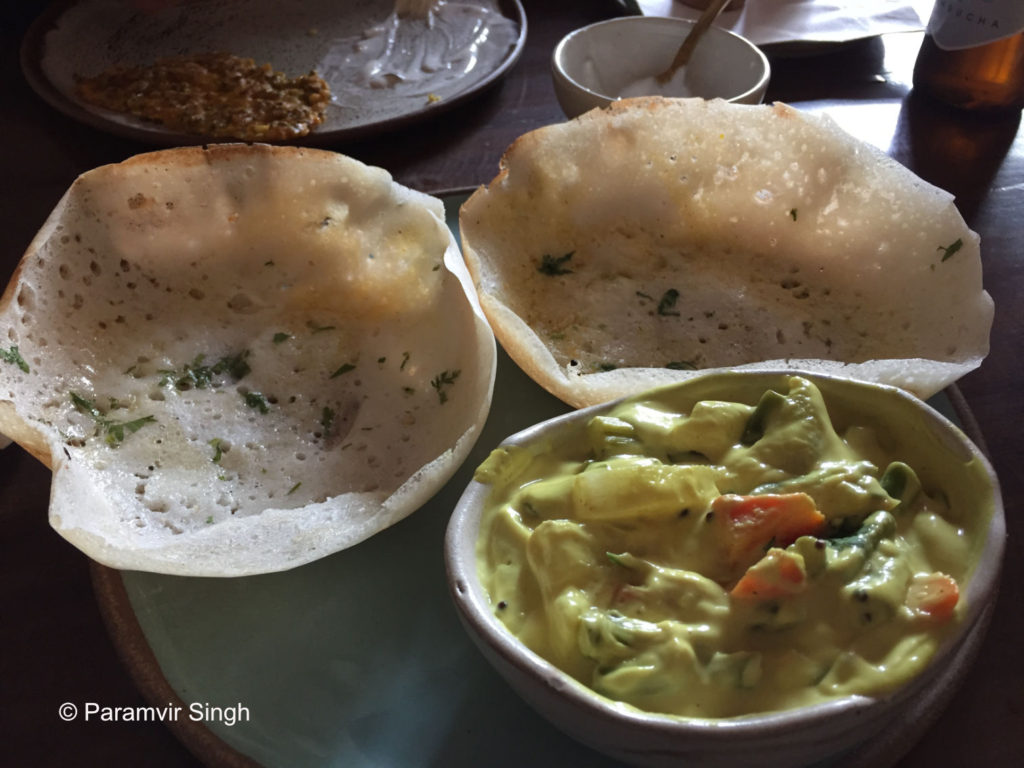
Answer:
(593, 65)
(850, 731)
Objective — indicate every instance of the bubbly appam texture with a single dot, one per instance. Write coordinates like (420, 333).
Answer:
(638, 244)
(242, 358)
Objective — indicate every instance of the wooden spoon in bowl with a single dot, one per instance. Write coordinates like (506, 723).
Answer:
(415, 9)
(698, 29)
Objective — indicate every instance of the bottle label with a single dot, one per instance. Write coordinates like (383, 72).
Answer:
(957, 24)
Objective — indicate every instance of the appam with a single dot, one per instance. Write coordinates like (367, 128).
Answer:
(238, 359)
(643, 243)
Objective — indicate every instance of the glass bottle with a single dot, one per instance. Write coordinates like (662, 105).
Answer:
(973, 54)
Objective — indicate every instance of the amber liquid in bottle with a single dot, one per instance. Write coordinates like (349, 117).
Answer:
(988, 75)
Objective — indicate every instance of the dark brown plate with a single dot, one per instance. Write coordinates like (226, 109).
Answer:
(84, 37)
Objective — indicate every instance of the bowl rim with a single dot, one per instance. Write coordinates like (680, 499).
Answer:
(557, 65)
(470, 598)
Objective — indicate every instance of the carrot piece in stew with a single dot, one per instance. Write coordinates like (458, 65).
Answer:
(778, 574)
(750, 525)
(933, 596)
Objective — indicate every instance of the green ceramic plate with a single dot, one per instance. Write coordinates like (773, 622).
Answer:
(354, 660)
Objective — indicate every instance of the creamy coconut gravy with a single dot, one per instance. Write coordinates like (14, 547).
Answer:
(730, 560)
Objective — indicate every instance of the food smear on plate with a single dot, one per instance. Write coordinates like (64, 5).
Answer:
(422, 55)
(217, 95)
(737, 558)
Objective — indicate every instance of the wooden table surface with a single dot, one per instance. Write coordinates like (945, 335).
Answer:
(54, 646)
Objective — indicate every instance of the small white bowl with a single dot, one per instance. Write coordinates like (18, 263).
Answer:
(593, 65)
(851, 731)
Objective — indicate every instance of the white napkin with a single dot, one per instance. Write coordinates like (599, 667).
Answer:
(822, 21)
